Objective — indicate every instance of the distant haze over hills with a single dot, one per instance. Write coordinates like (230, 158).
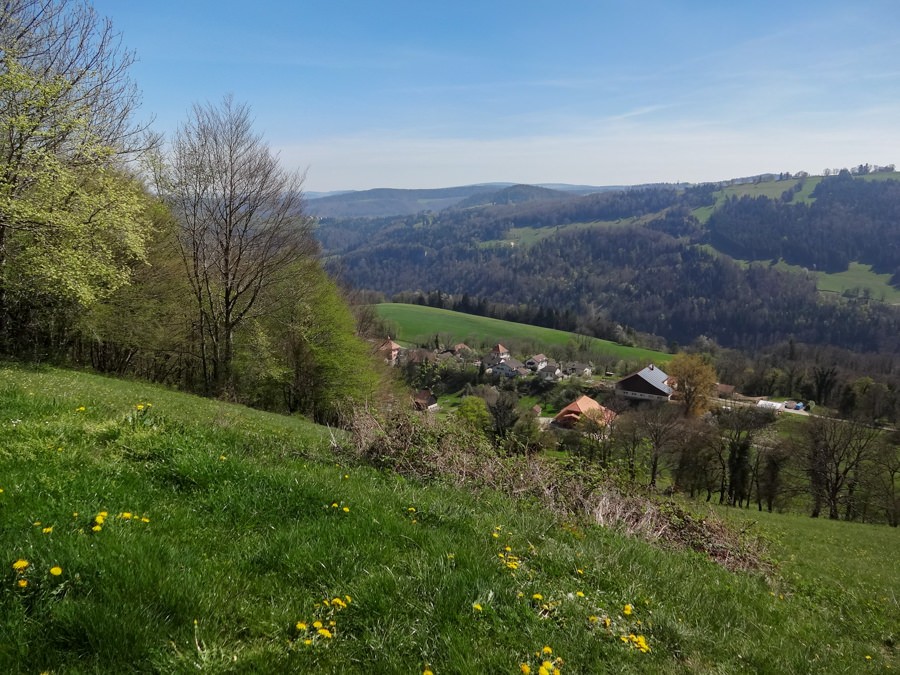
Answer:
(381, 202)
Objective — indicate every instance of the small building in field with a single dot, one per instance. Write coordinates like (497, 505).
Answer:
(649, 384)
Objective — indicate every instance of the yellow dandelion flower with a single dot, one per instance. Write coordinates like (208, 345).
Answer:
(37, 523)
(525, 669)
(56, 570)
(47, 530)
(346, 476)
(75, 514)
(627, 610)
(222, 458)
(607, 622)
(307, 641)
(340, 603)
(126, 515)
(508, 549)
(96, 528)
(346, 509)
(427, 671)
(411, 509)
(537, 596)
(593, 619)
(543, 670)
(332, 623)
(512, 564)
(557, 671)
(317, 624)
(548, 665)
(546, 650)
(325, 633)
(495, 535)
(301, 625)
(23, 583)
(80, 408)
(20, 564)
(103, 514)
(145, 519)
(348, 599)
(139, 406)
(334, 505)
(579, 594)
(477, 607)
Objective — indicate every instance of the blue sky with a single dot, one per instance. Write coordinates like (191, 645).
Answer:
(426, 94)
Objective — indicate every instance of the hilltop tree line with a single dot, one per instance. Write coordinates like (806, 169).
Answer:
(209, 281)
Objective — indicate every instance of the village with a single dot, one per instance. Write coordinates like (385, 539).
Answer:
(499, 369)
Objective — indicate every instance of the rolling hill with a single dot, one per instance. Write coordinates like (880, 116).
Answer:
(417, 324)
(742, 263)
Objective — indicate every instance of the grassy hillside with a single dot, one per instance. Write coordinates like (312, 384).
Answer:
(145, 530)
(416, 323)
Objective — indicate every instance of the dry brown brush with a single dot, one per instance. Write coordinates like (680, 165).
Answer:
(428, 448)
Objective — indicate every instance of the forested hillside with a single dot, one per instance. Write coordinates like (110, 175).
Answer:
(644, 259)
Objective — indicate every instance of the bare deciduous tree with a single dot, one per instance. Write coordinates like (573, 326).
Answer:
(836, 451)
(242, 225)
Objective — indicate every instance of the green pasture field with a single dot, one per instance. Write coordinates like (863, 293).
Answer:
(144, 530)
(419, 324)
(859, 276)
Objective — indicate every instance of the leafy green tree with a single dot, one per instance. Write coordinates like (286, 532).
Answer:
(307, 351)
(71, 220)
(473, 410)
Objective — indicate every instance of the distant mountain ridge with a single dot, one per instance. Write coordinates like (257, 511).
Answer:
(381, 202)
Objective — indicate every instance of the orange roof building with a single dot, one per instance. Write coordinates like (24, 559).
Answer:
(569, 416)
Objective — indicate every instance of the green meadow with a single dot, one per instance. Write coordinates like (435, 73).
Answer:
(145, 530)
(419, 324)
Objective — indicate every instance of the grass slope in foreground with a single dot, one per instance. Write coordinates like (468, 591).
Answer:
(418, 323)
(226, 530)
